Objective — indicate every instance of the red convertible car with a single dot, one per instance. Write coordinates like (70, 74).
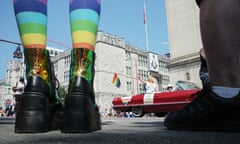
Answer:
(159, 102)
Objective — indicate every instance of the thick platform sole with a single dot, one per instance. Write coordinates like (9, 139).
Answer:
(80, 116)
(33, 115)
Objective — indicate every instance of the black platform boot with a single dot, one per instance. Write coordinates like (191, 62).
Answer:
(39, 103)
(81, 113)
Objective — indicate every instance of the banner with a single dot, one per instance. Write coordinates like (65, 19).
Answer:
(153, 62)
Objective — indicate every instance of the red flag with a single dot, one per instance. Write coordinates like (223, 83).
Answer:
(144, 13)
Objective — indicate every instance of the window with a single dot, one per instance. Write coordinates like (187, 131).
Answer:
(127, 55)
(67, 61)
(141, 88)
(188, 76)
(66, 77)
(128, 70)
(56, 66)
(129, 86)
(142, 61)
(143, 74)
(51, 52)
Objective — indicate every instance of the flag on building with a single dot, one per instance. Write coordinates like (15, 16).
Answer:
(116, 81)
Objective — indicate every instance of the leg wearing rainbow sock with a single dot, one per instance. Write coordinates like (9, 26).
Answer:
(81, 113)
(39, 103)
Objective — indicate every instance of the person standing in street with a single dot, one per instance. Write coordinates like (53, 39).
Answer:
(18, 92)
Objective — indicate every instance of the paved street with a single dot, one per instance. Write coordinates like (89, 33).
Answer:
(121, 131)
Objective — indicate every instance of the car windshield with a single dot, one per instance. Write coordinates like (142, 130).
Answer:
(184, 85)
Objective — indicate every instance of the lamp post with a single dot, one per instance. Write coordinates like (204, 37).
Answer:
(17, 53)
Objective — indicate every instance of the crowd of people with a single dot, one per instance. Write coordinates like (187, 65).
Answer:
(12, 106)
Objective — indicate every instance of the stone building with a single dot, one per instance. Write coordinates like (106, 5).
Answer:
(184, 40)
(114, 55)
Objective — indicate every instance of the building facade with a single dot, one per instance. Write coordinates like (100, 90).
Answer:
(184, 40)
(115, 56)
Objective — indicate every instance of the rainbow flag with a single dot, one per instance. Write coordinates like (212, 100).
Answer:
(116, 81)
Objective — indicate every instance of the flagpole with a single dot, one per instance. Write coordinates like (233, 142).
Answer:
(145, 23)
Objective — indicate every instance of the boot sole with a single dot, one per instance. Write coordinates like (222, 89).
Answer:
(80, 116)
(33, 115)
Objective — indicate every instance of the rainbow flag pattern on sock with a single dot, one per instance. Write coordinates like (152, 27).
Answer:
(31, 16)
(84, 18)
(116, 81)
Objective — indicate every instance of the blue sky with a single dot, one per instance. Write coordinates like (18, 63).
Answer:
(123, 18)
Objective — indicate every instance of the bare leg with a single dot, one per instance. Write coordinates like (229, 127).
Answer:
(216, 107)
(220, 27)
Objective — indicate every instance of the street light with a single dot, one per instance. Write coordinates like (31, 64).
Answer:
(17, 53)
